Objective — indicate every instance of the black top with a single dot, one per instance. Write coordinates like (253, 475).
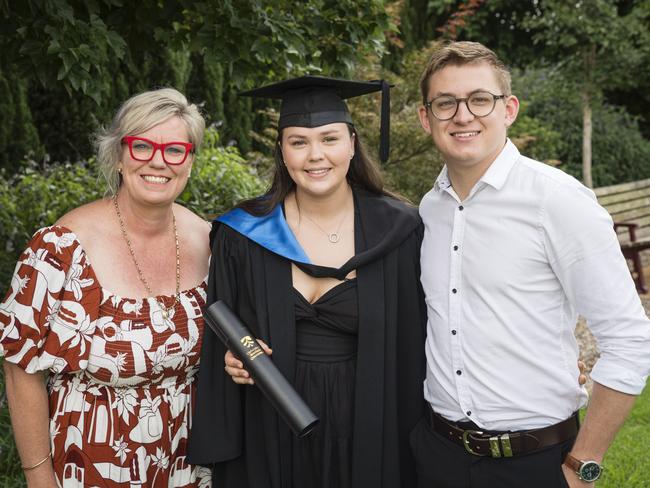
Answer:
(326, 350)
(237, 431)
(326, 330)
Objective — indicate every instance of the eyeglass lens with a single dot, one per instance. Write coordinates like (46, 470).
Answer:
(480, 104)
(143, 151)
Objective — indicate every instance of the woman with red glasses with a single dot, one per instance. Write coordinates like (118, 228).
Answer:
(102, 327)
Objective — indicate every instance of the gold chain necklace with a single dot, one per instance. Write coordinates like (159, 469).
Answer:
(333, 237)
(166, 311)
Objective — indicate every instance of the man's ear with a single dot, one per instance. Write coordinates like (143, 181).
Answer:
(512, 109)
(423, 114)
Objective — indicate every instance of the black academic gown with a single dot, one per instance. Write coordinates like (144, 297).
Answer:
(237, 432)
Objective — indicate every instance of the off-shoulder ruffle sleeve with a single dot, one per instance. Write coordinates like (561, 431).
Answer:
(47, 319)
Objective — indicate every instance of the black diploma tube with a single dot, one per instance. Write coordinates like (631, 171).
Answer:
(275, 387)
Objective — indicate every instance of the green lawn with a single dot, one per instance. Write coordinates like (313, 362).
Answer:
(627, 462)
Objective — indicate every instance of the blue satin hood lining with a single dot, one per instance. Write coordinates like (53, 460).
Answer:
(269, 231)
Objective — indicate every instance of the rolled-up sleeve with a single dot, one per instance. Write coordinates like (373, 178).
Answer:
(585, 254)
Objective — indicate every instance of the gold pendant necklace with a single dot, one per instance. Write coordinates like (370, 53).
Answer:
(167, 312)
(333, 237)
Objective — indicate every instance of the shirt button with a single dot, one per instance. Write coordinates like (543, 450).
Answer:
(453, 332)
(468, 413)
(454, 290)
(459, 372)
(460, 207)
(455, 248)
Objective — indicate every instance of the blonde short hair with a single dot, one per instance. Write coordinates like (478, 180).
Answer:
(459, 54)
(139, 114)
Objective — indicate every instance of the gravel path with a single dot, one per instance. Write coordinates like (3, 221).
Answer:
(588, 350)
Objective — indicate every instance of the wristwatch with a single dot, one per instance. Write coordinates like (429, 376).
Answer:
(588, 471)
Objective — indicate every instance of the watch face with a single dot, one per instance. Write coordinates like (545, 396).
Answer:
(590, 471)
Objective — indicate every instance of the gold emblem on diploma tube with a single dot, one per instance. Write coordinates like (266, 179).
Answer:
(254, 350)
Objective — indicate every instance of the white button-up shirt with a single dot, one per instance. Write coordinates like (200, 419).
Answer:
(505, 273)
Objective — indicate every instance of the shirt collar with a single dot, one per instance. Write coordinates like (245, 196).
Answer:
(495, 175)
(442, 181)
(499, 170)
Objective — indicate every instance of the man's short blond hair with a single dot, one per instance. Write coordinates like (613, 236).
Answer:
(459, 54)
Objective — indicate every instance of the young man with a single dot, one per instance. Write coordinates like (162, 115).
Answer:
(513, 250)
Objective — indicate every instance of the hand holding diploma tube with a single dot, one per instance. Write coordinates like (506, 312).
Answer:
(275, 387)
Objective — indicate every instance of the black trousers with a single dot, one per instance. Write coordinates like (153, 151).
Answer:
(443, 464)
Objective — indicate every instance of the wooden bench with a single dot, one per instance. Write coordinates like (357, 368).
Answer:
(629, 206)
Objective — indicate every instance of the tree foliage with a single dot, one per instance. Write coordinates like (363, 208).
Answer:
(591, 42)
(551, 130)
(414, 162)
(68, 52)
(75, 42)
(495, 23)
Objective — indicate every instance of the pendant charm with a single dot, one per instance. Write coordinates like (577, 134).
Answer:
(333, 237)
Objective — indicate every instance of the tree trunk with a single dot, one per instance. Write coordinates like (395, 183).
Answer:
(586, 140)
(589, 59)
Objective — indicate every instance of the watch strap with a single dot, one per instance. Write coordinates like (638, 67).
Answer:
(573, 463)
(584, 469)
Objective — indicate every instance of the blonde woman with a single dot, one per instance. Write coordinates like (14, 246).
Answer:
(102, 327)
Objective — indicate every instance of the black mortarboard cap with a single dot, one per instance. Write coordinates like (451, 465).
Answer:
(312, 101)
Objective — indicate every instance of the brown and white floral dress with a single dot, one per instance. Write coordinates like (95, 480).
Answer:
(122, 378)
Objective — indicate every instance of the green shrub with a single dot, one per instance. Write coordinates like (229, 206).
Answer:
(414, 161)
(36, 197)
(534, 138)
(220, 178)
(18, 135)
(620, 153)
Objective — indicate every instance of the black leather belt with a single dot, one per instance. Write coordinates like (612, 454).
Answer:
(503, 444)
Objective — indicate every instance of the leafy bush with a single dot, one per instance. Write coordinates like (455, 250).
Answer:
(620, 152)
(220, 178)
(414, 161)
(534, 138)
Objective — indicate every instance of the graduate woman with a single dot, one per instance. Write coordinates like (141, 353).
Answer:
(324, 268)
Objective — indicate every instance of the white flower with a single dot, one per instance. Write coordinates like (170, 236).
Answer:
(120, 360)
(21, 283)
(159, 459)
(66, 240)
(121, 449)
(55, 383)
(125, 401)
(132, 307)
(76, 283)
(70, 321)
(158, 360)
